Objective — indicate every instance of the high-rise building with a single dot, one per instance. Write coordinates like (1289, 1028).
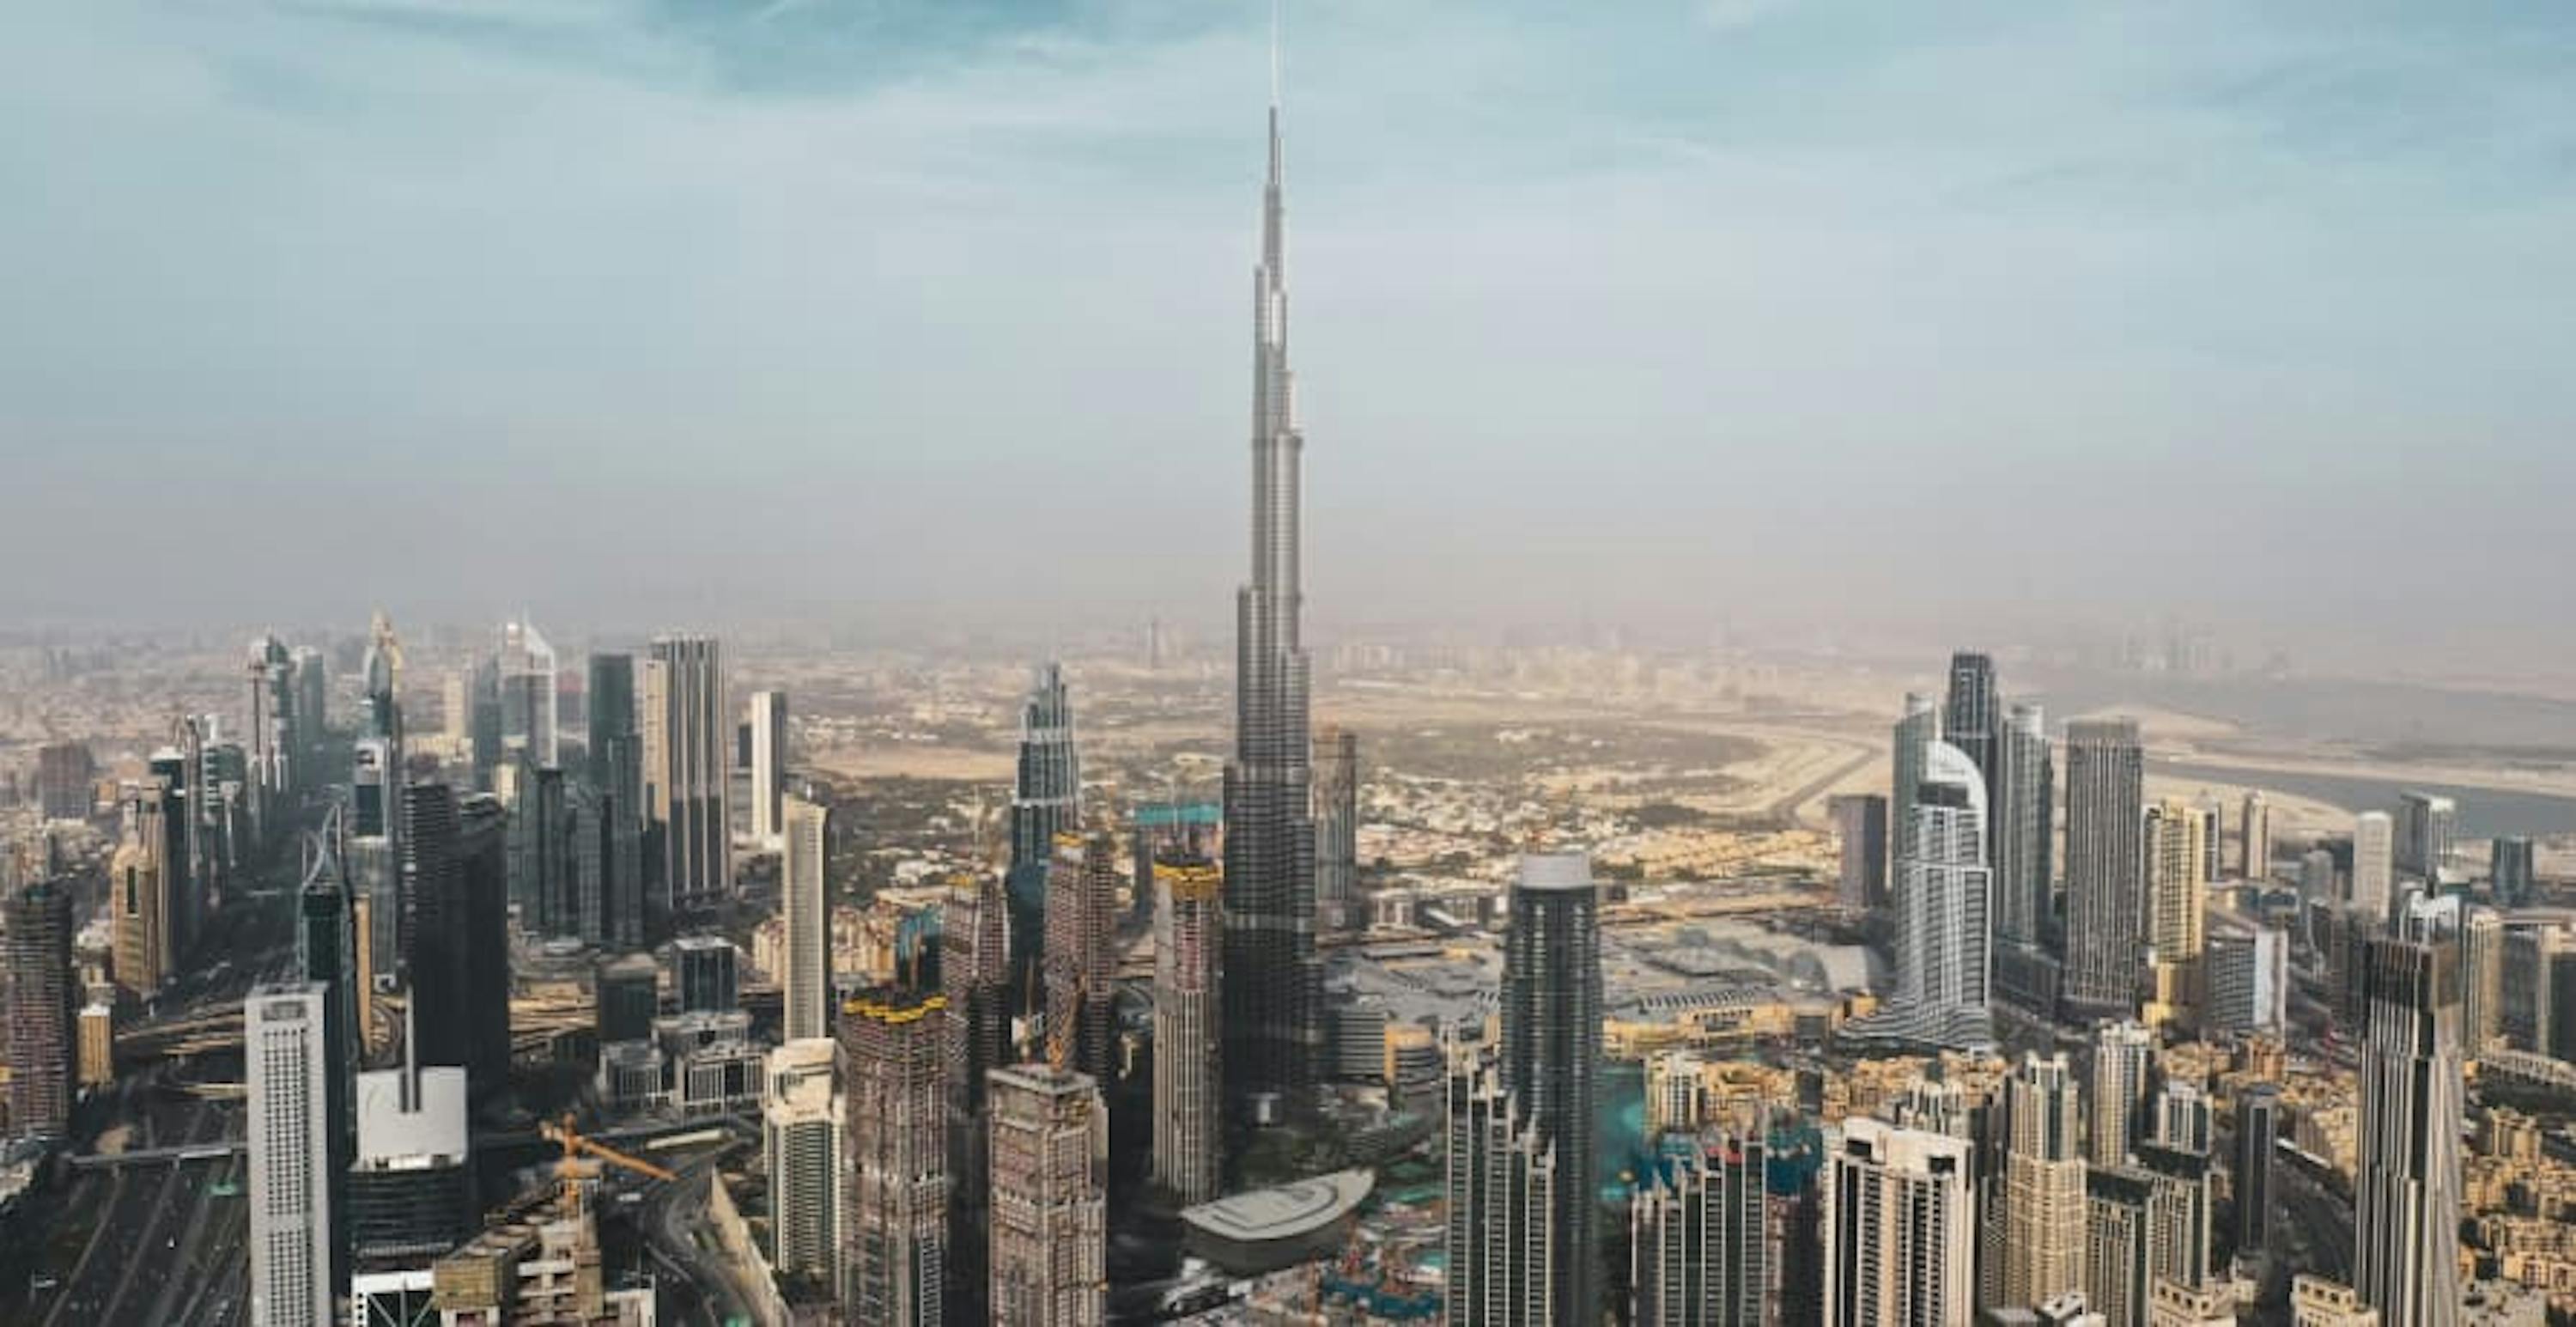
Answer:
(543, 881)
(2042, 1249)
(685, 769)
(2509, 869)
(1081, 968)
(140, 884)
(2481, 981)
(617, 781)
(1944, 964)
(1504, 1242)
(272, 720)
(2105, 865)
(801, 1123)
(2180, 1213)
(766, 716)
(1551, 1022)
(2254, 838)
(411, 1192)
(1860, 825)
(1700, 1239)
(2118, 1276)
(1189, 935)
(41, 997)
(2122, 1055)
(1920, 727)
(1050, 1159)
(326, 958)
(706, 972)
(974, 965)
(2248, 979)
(1338, 905)
(1973, 720)
(896, 1221)
(2213, 835)
(1046, 802)
(2373, 878)
(529, 710)
(66, 780)
(806, 911)
(2023, 818)
(1900, 1224)
(1273, 976)
(2317, 878)
(2427, 834)
(2258, 1135)
(288, 1056)
(2406, 1187)
(2177, 848)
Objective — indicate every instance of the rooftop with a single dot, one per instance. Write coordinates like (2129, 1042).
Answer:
(1285, 1212)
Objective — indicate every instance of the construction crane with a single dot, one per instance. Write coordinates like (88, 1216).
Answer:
(577, 1164)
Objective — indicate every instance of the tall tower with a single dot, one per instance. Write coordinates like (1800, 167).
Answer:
(2258, 1134)
(2374, 868)
(1552, 1055)
(1050, 1149)
(529, 709)
(1273, 980)
(768, 721)
(290, 1155)
(2105, 867)
(2406, 1189)
(2043, 1190)
(2428, 830)
(685, 770)
(1920, 728)
(1700, 1235)
(2023, 816)
(617, 783)
(36, 930)
(807, 914)
(2254, 838)
(1189, 930)
(1081, 969)
(1046, 800)
(1973, 720)
(2122, 1054)
(1337, 829)
(974, 972)
(140, 883)
(801, 1123)
(1503, 1242)
(1900, 1227)
(2176, 850)
(1945, 966)
(897, 1218)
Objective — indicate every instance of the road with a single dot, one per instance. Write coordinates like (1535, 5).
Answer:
(697, 1286)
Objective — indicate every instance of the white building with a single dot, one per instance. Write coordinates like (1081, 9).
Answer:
(1900, 1224)
(767, 720)
(290, 1156)
(806, 911)
(801, 1124)
(2373, 862)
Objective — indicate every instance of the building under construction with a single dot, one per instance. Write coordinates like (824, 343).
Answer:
(1050, 1158)
(896, 1218)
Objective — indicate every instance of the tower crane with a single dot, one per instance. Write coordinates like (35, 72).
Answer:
(580, 1162)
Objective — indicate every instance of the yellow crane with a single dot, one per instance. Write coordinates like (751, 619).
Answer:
(574, 1168)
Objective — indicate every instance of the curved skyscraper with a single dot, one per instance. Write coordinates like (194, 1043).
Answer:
(1046, 800)
(1272, 977)
(1944, 945)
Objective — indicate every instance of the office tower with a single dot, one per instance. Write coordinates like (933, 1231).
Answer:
(2248, 975)
(1973, 720)
(706, 972)
(1504, 1242)
(2427, 834)
(2373, 866)
(1860, 824)
(768, 719)
(627, 996)
(2318, 1302)
(2509, 870)
(272, 707)
(2176, 847)
(483, 871)
(2022, 819)
(326, 960)
(2258, 1135)
(411, 1192)
(487, 721)
(139, 889)
(1046, 802)
(456, 710)
(1189, 933)
(1552, 1053)
(530, 718)
(616, 777)
(806, 911)
(2105, 865)
(433, 951)
(2180, 1210)
(684, 771)
(2118, 1280)
(288, 1056)
(1920, 727)
(1944, 967)
(2213, 833)
(1337, 830)
(2122, 1055)
(1273, 978)
(802, 1132)
(896, 1221)
(94, 1059)
(974, 965)
(66, 787)
(36, 936)
(2317, 877)
(2532, 955)
(1900, 1227)
(1700, 1240)
(1050, 1158)
(542, 863)
(2042, 1249)
(2481, 981)
(2406, 1188)
(2254, 838)
(1081, 969)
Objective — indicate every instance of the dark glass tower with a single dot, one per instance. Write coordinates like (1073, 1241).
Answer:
(616, 774)
(2105, 865)
(1973, 720)
(1046, 800)
(1552, 1056)
(325, 949)
(1272, 986)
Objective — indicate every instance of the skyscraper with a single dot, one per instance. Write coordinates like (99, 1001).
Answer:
(1552, 1053)
(1900, 1227)
(706, 974)
(616, 776)
(36, 931)
(1504, 1243)
(2118, 1235)
(326, 958)
(1189, 933)
(685, 771)
(1944, 966)
(1081, 969)
(1337, 829)
(806, 912)
(767, 718)
(287, 1051)
(2373, 867)
(484, 1008)
(1046, 801)
(1920, 727)
(2258, 1134)
(801, 1123)
(2105, 865)
(411, 1190)
(2406, 1188)
(2122, 1054)
(2247, 974)
(897, 1129)
(2176, 847)
(2042, 1249)
(1860, 825)
(64, 774)
(2427, 834)
(1050, 1158)
(1273, 979)
(2509, 872)
(139, 891)
(530, 716)
(1973, 720)
(2481, 981)
(2024, 830)
(1700, 1239)
(2254, 841)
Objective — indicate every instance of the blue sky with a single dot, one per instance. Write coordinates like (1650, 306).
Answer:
(1959, 313)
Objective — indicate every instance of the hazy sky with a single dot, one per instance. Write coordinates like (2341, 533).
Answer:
(658, 311)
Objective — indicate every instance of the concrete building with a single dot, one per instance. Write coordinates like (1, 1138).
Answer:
(805, 988)
(66, 780)
(895, 1226)
(2105, 866)
(40, 996)
(140, 880)
(2318, 1302)
(1700, 1239)
(2173, 1304)
(1900, 1224)
(2042, 1249)
(2177, 853)
(2248, 981)
(2427, 837)
(801, 1125)
(2254, 838)
(2481, 981)
(288, 1056)
(2118, 1276)
(2123, 1053)
(1505, 1245)
(1050, 1159)
(1189, 937)
(2373, 880)
(766, 717)
(1080, 965)
(2406, 1194)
